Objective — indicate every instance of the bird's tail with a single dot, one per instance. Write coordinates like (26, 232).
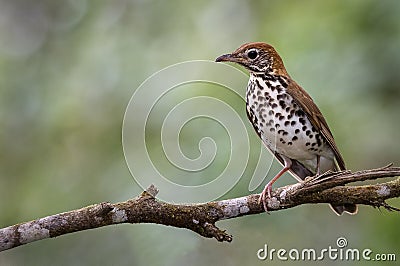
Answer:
(341, 208)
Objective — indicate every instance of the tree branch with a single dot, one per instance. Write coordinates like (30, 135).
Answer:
(201, 218)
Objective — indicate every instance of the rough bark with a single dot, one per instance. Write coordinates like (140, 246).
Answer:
(201, 218)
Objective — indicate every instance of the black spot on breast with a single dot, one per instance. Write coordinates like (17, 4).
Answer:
(277, 125)
(300, 113)
(280, 96)
(271, 112)
(285, 133)
(253, 118)
(297, 131)
(293, 123)
(294, 138)
(308, 132)
(271, 77)
(304, 128)
(289, 143)
(319, 142)
(302, 121)
(318, 137)
(282, 104)
(282, 81)
(287, 123)
(272, 129)
(277, 115)
(307, 143)
(251, 87)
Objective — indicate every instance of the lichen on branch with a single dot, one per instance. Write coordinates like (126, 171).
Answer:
(201, 218)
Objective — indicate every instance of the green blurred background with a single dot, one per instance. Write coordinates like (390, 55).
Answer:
(69, 68)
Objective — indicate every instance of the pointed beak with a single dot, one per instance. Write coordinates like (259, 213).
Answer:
(225, 58)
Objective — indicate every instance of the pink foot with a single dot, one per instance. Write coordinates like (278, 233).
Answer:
(265, 194)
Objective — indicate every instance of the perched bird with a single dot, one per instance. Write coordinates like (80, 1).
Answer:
(286, 118)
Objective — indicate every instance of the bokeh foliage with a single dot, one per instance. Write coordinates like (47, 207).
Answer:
(68, 69)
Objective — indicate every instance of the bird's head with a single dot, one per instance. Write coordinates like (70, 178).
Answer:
(257, 57)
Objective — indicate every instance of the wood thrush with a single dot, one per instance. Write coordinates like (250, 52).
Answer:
(286, 119)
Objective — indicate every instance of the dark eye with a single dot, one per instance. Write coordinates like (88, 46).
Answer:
(252, 54)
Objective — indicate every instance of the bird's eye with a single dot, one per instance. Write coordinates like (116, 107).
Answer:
(252, 54)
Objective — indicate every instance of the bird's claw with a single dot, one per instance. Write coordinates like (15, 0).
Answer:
(264, 196)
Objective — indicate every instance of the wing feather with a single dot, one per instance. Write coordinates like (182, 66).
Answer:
(316, 118)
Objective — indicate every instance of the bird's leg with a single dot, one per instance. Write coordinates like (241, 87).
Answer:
(266, 193)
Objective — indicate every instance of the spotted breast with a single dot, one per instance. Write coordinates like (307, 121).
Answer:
(282, 124)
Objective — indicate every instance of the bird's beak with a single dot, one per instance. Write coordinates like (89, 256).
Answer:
(225, 58)
(234, 58)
